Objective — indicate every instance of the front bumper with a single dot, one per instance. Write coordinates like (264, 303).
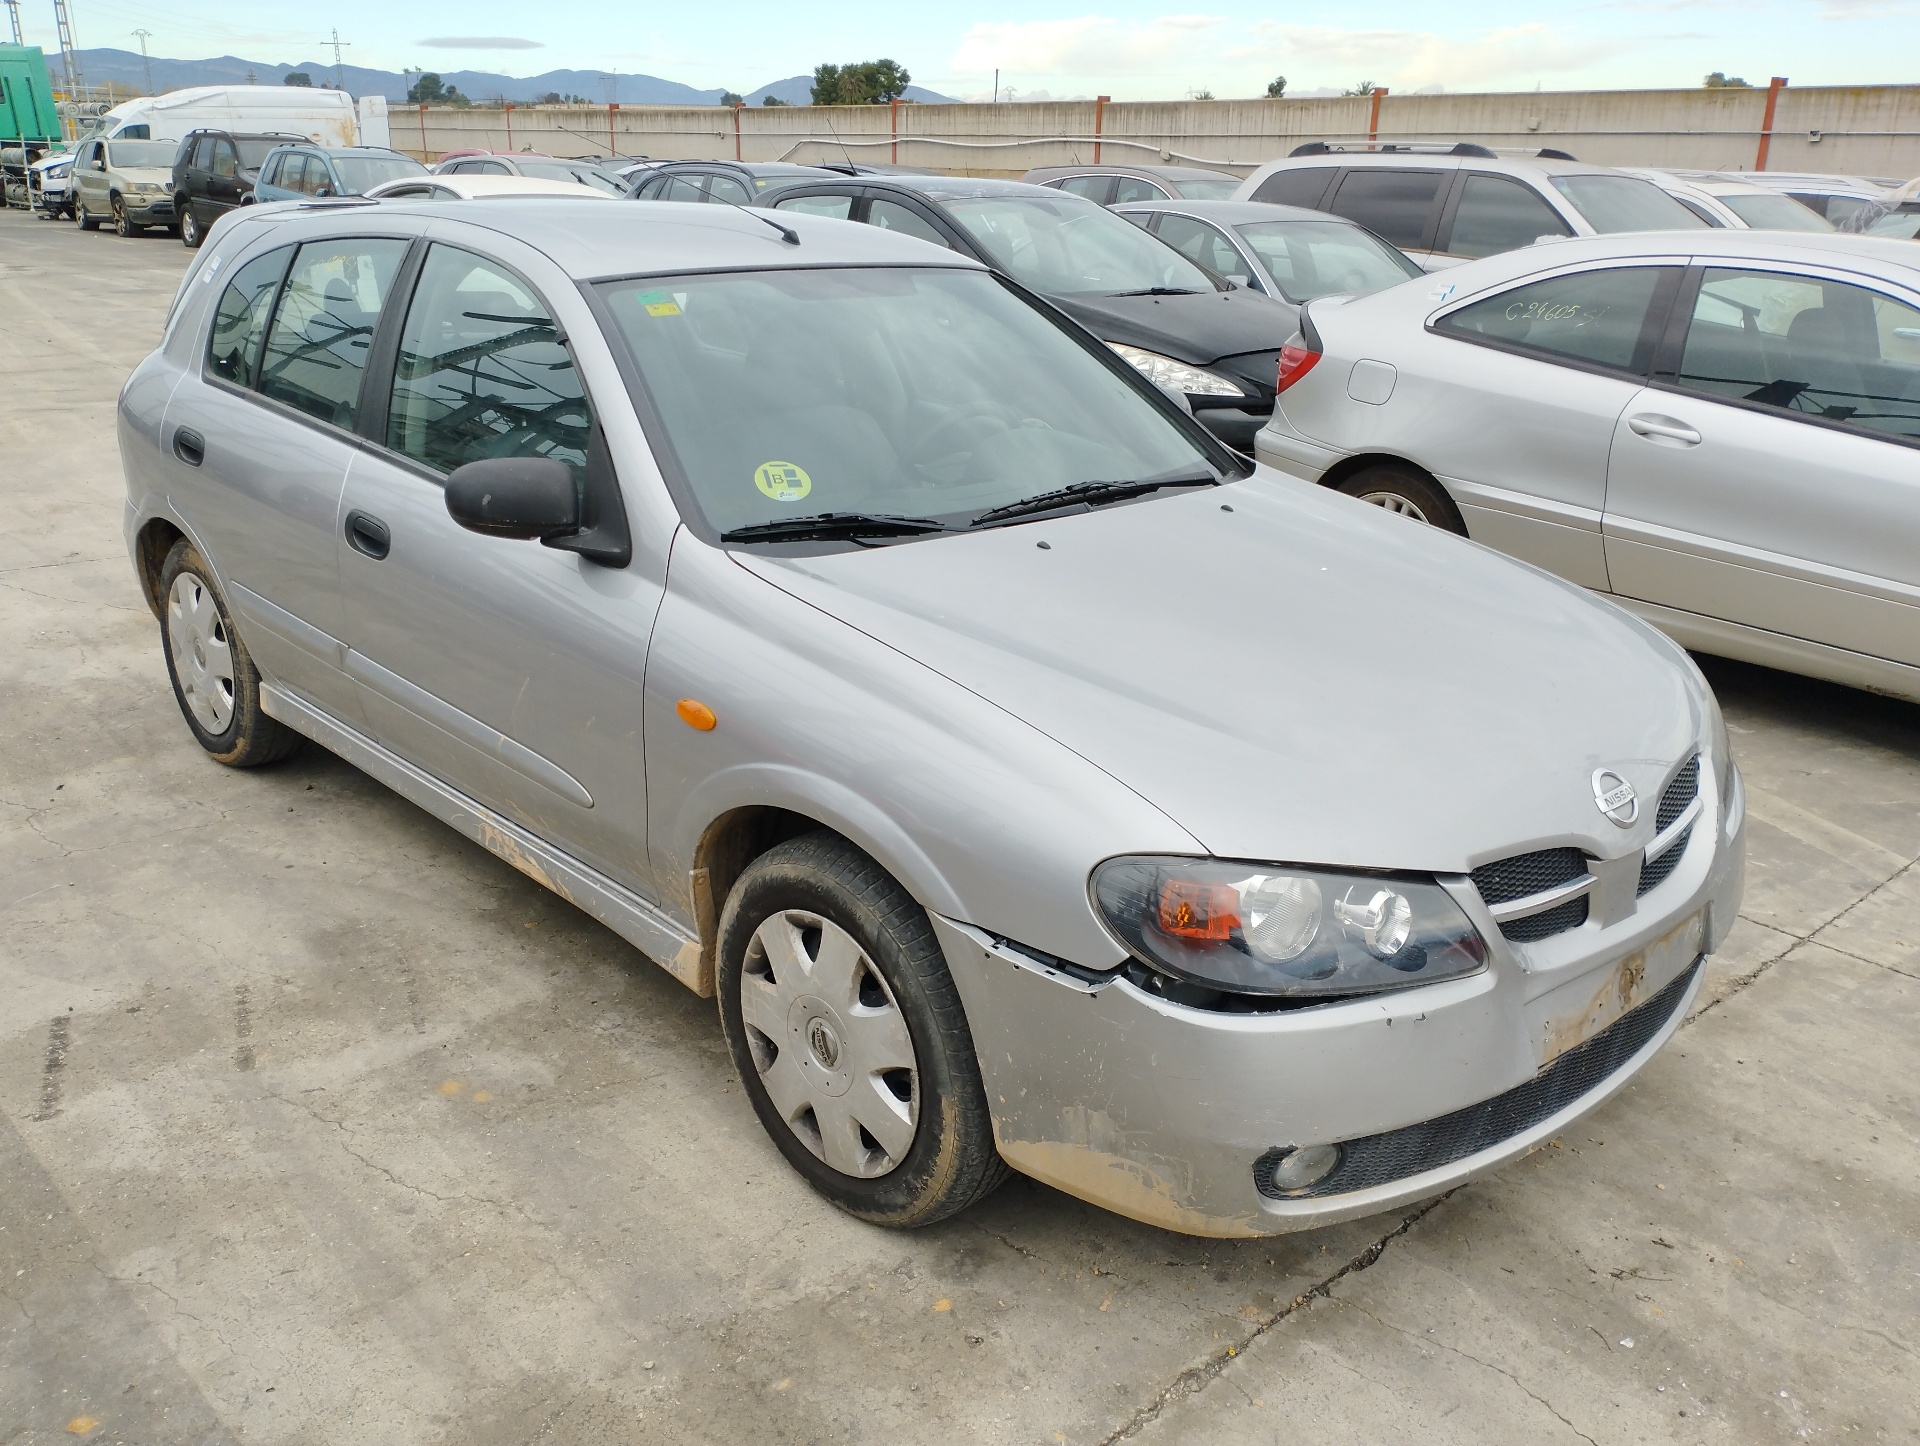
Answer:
(1161, 1112)
(149, 210)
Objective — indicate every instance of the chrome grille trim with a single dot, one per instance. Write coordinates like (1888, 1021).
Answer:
(1675, 831)
(1539, 903)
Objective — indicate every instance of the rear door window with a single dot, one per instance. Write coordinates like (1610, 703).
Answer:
(293, 173)
(1094, 188)
(1607, 318)
(682, 188)
(322, 330)
(726, 188)
(482, 371)
(226, 161)
(1197, 241)
(892, 216)
(1296, 186)
(838, 208)
(1132, 188)
(1821, 349)
(1497, 214)
(1395, 204)
(233, 350)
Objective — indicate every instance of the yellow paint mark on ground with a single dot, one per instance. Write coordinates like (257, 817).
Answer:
(80, 1425)
(943, 1304)
(480, 1097)
(451, 1087)
(1107, 1302)
(782, 1385)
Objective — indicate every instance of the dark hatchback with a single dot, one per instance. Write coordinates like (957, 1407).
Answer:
(1185, 328)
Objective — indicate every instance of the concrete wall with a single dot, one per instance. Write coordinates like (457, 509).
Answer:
(1872, 130)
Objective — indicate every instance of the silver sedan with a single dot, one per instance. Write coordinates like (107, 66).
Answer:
(1034, 782)
(1720, 429)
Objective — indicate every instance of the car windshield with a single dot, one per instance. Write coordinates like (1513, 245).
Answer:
(1625, 203)
(1902, 225)
(254, 151)
(583, 175)
(132, 155)
(1764, 211)
(360, 174)
(1062, 245)
(914, 393)
(1323, 258)
(1220, 190)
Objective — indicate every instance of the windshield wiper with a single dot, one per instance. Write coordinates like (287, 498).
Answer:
(833, 525)
(1160, 291)
(1092, 494)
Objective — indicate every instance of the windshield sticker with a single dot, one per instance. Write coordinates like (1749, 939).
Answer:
(782, 481)
(659, 303)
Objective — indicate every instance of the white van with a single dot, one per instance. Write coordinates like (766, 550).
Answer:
(326, 117)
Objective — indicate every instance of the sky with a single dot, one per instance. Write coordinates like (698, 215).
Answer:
(1059, 48)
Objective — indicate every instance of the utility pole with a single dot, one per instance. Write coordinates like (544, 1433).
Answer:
(69, 56)
(146, 64)
(13, 14)
(338, 45)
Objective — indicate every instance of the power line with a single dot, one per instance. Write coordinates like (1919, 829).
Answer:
(146, 64)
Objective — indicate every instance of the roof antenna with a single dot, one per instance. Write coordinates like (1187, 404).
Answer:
(844, 152)
(787, 233)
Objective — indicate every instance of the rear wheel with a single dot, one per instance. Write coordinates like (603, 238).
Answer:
(849, 1036)
(1406, 492)
(214, 679)
(190, 236)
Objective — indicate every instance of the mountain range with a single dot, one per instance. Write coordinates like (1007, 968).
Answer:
(127, 69)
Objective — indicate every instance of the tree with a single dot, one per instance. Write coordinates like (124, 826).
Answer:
(428, 88)
(869, 82)
(1202, 94)
(773, 100)
(297, 77)
(1721, 81)
(552, 97)
(732, 98)
(1365, 87)
(1277, 87)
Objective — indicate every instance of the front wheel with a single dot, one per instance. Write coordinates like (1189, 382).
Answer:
(88, 221)
(190, 236)
(1407, 493)
(849, 1035)
(214, 679)
(122, 225)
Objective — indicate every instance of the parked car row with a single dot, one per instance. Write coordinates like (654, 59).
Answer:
(803, 589)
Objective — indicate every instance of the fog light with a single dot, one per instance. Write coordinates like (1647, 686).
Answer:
(1288, 1172)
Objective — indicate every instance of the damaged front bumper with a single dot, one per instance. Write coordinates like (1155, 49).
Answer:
(1169, 1114)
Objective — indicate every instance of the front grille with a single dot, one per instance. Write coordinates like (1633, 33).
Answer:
(1654, 874)
(1433, 1144)
(1681, 792)
(1524, 875)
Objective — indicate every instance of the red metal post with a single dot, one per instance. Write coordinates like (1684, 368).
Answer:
(425, 158)
(1099, 115)
(509, 112)
(893, 121)
(1774, 87)
(1373, 118)
(736, 129)
(613, 109)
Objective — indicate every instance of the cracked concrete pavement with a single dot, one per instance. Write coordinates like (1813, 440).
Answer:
(319, 1124)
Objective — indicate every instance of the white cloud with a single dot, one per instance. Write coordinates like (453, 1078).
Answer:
(1412, 59)
(482, 42)
(1091, 45)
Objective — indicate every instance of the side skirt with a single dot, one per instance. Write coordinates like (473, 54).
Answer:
(649, 930)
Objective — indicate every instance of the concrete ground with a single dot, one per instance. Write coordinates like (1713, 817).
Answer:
(319, 1124)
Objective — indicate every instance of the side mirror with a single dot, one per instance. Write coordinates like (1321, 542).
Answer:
(324, 191)
(523, 497)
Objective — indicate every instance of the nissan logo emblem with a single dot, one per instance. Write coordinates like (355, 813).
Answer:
(1615, 797)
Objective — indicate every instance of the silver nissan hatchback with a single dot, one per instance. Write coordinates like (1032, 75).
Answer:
(1035, 783)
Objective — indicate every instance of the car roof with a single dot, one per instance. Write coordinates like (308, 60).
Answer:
(1898, 258)
(591, 241)
(754, 168)
(953, 188)
(491, 186)
(1530, 165)
(1236, 213)
(1123, 168)
(344, 150)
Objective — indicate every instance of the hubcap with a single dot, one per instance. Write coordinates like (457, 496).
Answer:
(830, 1044)
(202, 657)
(1395, 503)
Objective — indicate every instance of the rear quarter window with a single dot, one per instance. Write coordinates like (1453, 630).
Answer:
(1604, 318)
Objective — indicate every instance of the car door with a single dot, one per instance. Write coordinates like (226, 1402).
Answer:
(224, 186)
(258, 446)
(511, 670)
(1770, 477)
(196, 156)
(1516, 412)
(1489, 214)
(1403, 206)
(90, 177)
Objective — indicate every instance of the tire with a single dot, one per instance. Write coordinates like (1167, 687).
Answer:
(849, 1035)
(190, 233)
(122, 226)
(214, 679)
(88, 221)
(1408, 492)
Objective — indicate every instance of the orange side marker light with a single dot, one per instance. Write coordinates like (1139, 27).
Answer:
(696, 714)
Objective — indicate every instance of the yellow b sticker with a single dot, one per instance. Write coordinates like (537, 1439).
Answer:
(782, 481)
(659, 303)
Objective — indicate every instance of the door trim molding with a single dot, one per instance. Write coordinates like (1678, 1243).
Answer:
(667, 942)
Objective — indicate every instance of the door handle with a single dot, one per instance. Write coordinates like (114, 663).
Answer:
(189, 446)
(368, 535)
(1665, 428)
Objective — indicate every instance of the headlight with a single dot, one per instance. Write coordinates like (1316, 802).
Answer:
(1288, 932)
(145, 188)
(1164, 371)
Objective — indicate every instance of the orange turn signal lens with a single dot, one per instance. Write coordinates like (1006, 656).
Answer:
(696, 714)
(1190, 909)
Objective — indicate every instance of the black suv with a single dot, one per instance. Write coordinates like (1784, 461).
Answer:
(214, 172)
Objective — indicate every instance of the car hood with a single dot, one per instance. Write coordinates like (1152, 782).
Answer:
(152, 175)
(1198, 329)
(1303, 678)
